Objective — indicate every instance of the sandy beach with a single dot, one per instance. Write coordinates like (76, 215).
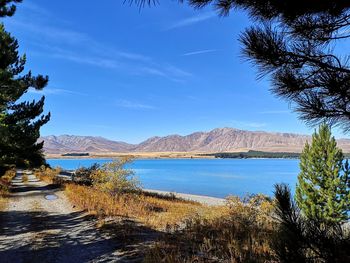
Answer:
(206, 200)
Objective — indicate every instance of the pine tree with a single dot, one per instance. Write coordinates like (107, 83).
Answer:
(8, 7)
(19, 122)
(323, 189)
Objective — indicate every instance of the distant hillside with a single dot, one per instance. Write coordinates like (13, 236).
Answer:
(217, 140)
(72, 143)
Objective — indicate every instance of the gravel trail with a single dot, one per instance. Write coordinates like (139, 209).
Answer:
(34, 229)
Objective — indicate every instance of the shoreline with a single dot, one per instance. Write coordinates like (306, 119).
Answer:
(237, 154)
(203, 199)
(161, 158)
(141, 155)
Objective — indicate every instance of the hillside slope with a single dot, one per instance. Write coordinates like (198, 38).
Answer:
(217, 140)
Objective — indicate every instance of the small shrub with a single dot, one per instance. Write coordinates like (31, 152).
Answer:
(47, 174)
(83, 175)
(5, 181)
(25, 178)
(114, 178)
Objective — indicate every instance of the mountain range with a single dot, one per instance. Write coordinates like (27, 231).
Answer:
(217, 140)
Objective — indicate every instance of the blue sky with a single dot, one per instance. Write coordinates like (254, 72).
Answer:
(126, 74)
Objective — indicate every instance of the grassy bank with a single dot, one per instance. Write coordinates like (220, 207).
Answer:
(156, 211)
(242, 233)
(235, 232)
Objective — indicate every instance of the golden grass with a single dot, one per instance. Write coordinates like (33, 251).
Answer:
(150, 209)
(5, 182)
(236, 232)
(3, 203)
(25, 178)
(46, 174)
(241, 235)
(191, 232)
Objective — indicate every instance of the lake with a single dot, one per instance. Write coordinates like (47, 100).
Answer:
(211, 177)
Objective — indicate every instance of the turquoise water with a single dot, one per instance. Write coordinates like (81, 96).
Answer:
(212, 177)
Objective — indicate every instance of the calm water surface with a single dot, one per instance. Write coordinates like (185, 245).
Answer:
(212, 177)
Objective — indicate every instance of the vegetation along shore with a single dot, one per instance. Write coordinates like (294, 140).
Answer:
(182, 155)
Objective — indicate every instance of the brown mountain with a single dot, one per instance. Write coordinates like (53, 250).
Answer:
(72, 143)
(217, 140)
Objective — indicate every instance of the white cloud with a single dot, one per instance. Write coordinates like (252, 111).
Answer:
(249, 124)
(85, 59)
(133, 56)
(33, 8)
(199, 52)
(57, 34)
(54, 91)
(133, 105)
(275, 112)
(191, 20)
(67, 44)
(61, 40)
(153, 71)
(167, 71)
(177, 72)
(100, 126)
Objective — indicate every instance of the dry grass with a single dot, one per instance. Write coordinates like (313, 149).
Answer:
(25, 178)
(240, 231)
(5, 182)
(47, 175)
(3, 203)
(150, 209)
(115, 192)
(237, 232)
(242, 235)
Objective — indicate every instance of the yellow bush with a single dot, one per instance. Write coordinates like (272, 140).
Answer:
(47, 174)
(9, 175)
(114, 178)
(5, 182)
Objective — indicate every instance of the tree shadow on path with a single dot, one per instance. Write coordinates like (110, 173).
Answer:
(73, 237)
(43, 236)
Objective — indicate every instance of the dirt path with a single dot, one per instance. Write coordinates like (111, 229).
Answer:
(34, 229)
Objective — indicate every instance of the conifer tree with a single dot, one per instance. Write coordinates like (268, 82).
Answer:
(323, 189)
(8, 7)
(19, 122)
